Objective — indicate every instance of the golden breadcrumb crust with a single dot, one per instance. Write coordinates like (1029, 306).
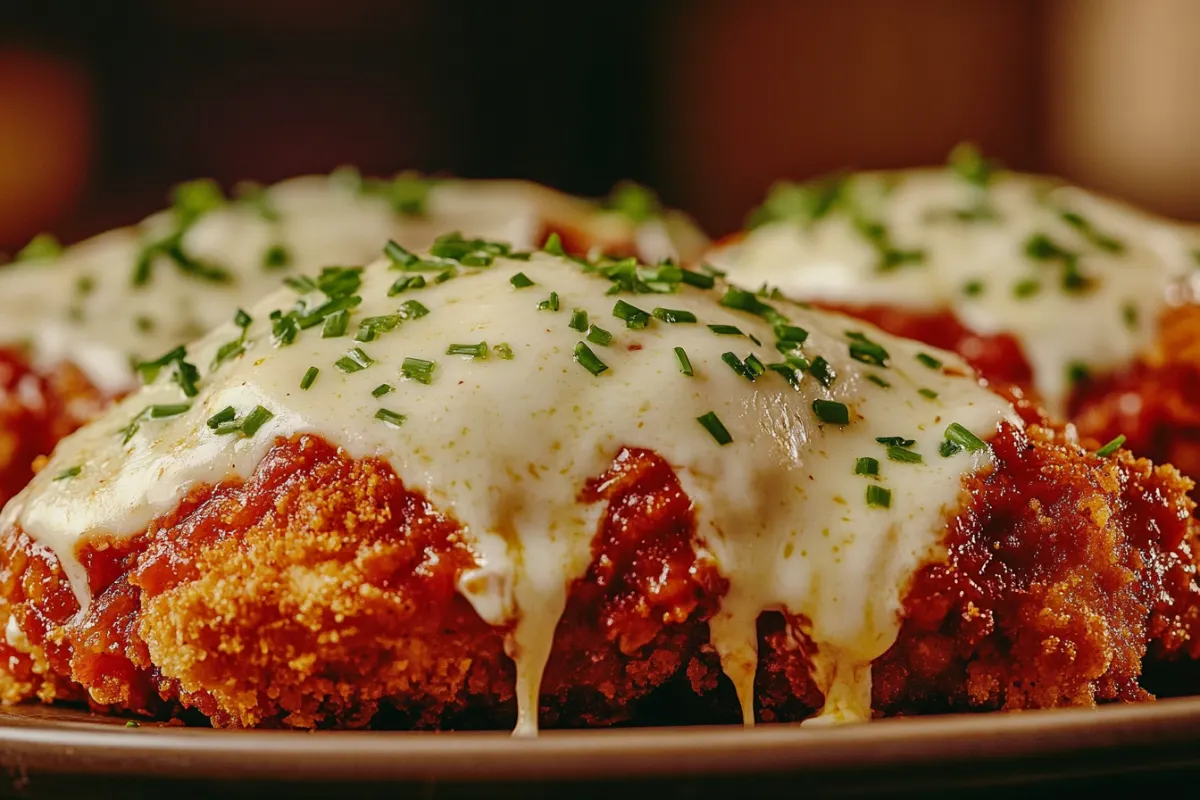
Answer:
(321, 593)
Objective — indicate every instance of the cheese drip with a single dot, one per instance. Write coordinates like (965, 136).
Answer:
(1077, 279)
(504, 445)
(86, 307)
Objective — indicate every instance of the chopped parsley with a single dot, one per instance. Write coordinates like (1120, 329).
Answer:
(588, 360)
(831, 412)
(712, 423)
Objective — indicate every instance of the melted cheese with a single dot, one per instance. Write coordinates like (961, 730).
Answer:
(505, 447)
(980, 269)
(85, 309)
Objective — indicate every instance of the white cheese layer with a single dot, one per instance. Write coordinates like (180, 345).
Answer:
(506, 445)
(84, 307)
(980, 265)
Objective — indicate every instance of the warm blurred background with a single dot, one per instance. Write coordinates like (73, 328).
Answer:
(103, 105)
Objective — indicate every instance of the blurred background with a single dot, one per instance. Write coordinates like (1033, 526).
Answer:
(103, 105)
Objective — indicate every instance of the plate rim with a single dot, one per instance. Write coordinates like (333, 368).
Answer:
(1167, 730)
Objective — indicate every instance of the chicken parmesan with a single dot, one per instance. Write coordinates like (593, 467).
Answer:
(477, 486)
(1031, 279)
(74, 321)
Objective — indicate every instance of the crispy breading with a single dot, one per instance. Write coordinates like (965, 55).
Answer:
(322, 593)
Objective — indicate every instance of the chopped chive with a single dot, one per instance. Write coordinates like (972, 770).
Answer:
(390, 417)
(398, 254)
(970, 165)
(40, 247)
(168, 410)
(903, 455)
(226, 414)
(948, 448)
(831, 412)
(503, 350)
(354, 361)
(895, 441)
(738, 366)
(300, 284)
(550, 303)
(255, 420)
(864, 350)
(866, 466)
(633, 316)
(420, 370)
(406, 283)
(929, 361)
(579, 320)
(755, 367)
(411, 309)
(790, 374)
(972, 288)
(878, 496)
(822, 371)
(878, 381)
(671, 315)
(335, 325)
(276, 256)
(310, 375)
(242, 319)
(554, 245)
(70, 472)
(520, 280)
(1077, 373)
(726, 330)
(790, 333)
(928, 394)
(715, 428)
(964, 438)
(1027, 288)
(475, 350)
(599, 336)
(588, 360)
(697, 279)
(747, 301)
(1129, 313)
(685, 363)
(1111, 447)
(445, 275)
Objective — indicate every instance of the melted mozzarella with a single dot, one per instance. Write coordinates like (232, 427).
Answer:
(506, 446)
(1059, 330)
(85, 309)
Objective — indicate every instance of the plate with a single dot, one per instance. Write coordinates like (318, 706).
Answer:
(56, 745)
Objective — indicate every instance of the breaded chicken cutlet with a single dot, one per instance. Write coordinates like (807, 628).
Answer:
(545, 491)
(74, 321)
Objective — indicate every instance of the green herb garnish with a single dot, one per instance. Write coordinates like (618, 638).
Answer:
(1111, 447)
(715, 428)
(878, 496)
(831, 412)
(866, 466)
(474, 350)
(588, 360)
(420, 370)
(310, 375)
